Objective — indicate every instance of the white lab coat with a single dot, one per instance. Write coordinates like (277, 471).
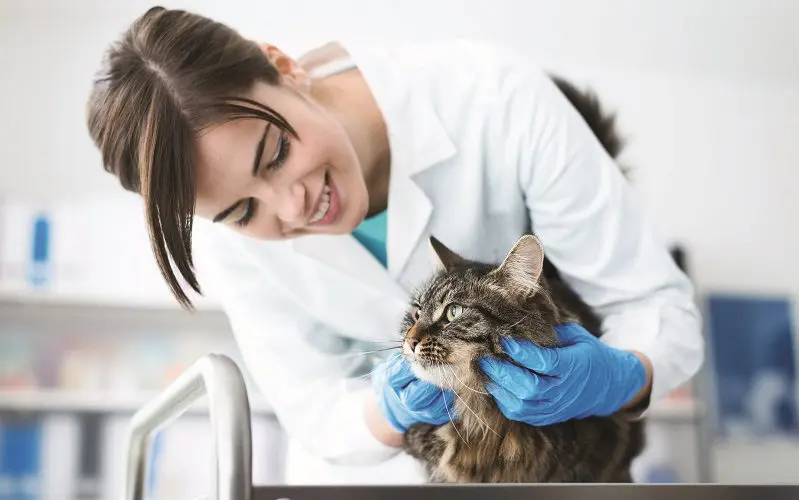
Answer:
(484, 149)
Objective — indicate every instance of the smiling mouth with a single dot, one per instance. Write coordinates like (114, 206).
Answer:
(328, 207)
(324, 203)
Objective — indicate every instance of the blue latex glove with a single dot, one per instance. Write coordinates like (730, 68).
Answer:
(584, 377)
(405, 400)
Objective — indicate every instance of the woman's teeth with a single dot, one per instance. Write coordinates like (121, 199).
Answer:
(324, 205)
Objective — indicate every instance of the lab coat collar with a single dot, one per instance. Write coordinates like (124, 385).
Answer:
(418, 141)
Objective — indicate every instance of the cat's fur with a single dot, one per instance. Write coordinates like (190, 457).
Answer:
(523, 298)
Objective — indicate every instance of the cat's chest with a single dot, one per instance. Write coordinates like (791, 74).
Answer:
(471, 456)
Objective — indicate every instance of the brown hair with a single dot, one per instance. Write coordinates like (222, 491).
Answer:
(172, 75)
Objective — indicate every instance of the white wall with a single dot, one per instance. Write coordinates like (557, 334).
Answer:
(717, 164)
(707, 92)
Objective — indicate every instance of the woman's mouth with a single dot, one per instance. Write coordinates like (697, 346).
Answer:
(329, 205)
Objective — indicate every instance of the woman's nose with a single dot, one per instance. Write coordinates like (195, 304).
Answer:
(291, 205)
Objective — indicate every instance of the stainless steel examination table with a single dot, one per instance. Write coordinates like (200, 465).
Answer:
(230, 478)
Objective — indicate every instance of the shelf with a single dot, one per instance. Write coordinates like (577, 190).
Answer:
(666, 411)
(57, 401)
(98, 402)
(25, 297)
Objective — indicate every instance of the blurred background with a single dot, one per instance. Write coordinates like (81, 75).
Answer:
(706, 91)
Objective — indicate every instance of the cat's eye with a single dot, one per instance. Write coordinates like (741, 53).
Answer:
(453, 311)
(416, 313)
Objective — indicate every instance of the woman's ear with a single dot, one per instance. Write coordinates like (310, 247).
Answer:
(287, 67)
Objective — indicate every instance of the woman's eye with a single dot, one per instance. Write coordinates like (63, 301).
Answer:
(281, 152)
(248, 214)
(453, 312)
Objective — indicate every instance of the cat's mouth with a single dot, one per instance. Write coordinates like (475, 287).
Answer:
(428, 361)
(445, 369)
(438, 374)
(441, 363)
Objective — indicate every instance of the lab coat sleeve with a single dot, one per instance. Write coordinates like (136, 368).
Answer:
(595, 231)
(292, 360)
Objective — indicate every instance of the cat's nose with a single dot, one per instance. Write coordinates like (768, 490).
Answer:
(413, 338)
(412, 343)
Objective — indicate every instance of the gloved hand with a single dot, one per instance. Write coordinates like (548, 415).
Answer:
(584, 377)
(405, 400)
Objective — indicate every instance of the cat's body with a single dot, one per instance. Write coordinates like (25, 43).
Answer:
(597, 450)
(484, 446)
(523, 298)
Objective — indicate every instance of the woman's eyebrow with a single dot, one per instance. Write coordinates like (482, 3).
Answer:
(259, 152)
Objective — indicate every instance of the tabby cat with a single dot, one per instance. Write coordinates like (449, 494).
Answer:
(459, 316)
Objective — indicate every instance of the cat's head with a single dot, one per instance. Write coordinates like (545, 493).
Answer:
(464, 310)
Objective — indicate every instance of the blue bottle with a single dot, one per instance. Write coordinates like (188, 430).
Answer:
(39, 274)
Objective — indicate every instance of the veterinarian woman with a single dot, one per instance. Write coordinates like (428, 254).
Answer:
(312, 186)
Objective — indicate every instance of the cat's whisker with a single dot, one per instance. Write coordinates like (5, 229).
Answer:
(366, 353)
(452, 388)
(450, 418)
(367, 375)
(449, 382)
(469, 407)
(466, 386)
(517, 323)
(380, 366)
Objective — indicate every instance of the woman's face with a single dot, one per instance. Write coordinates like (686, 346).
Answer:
(266, 184)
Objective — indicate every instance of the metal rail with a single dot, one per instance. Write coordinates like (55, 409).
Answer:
(219, 377)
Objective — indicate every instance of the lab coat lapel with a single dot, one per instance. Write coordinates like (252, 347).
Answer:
(345, 255)
(418, 142)
(346, 288)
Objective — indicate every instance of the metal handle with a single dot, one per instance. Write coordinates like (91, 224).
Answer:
(219, 377)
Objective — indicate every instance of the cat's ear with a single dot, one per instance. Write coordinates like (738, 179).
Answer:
(444, 258)
(523, 265)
